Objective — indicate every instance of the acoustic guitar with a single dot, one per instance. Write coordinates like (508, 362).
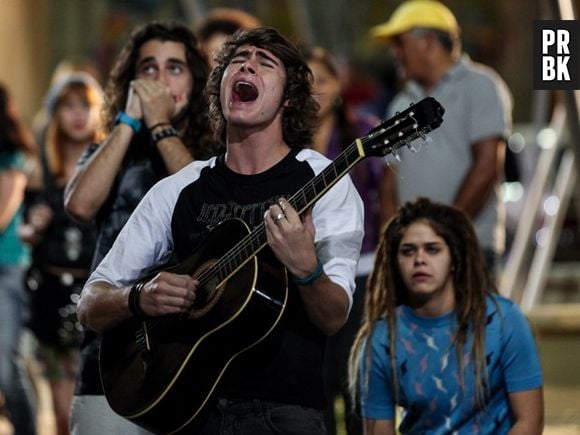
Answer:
(162, 372)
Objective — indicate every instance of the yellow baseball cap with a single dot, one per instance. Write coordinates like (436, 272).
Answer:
(417, 13)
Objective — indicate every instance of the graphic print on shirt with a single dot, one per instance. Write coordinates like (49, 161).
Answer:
(219, 194)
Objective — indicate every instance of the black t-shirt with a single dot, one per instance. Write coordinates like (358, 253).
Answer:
(286, 367)
(65, 242)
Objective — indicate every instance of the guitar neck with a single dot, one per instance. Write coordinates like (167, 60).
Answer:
(319, 185)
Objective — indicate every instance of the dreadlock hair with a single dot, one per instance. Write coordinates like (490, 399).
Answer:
(386, 289)
(192, 121)
(300, 116)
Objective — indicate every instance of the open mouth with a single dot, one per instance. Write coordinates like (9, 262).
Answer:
(245, 92)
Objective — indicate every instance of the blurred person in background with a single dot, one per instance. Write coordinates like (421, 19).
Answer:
(65, 67)
(438, 340)
(218, 25)
(62, 247)
(424, 37)
(368, 86)
(155, 116)
(16, 144)
(338, 128)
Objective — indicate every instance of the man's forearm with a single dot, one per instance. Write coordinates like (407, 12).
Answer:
(102, 306)
(326, 304)
(91, 184)
(174, 153)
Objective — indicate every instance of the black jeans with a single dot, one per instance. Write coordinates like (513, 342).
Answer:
(255, 417)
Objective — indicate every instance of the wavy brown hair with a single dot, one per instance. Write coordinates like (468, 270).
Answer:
(386, 289)
(300, 117)
(192, 120)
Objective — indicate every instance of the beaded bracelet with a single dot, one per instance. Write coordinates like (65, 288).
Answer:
(162, 134)
(159, 124)
(309, 279)
(134, 301)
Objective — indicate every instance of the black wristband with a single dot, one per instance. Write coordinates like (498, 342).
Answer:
(159, 124)
(309, 279)
(162, 134)
(134, 301)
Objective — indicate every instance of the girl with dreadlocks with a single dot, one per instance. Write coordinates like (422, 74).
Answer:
(438, 340)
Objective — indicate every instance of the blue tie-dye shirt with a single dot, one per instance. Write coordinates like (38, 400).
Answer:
(428, 373)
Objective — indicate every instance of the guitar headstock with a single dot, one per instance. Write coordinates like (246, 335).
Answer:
(406, 126)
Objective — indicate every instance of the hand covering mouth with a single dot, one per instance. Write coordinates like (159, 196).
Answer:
(245, 92)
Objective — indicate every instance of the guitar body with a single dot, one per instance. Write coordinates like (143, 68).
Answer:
(161, 373)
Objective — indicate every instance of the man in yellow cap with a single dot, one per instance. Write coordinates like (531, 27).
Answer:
(463, 164)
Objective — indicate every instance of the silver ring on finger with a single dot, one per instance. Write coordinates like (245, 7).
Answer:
(279, 217)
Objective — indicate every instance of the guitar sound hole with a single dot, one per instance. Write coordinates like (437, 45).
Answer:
(205, 294)
(208, 294)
